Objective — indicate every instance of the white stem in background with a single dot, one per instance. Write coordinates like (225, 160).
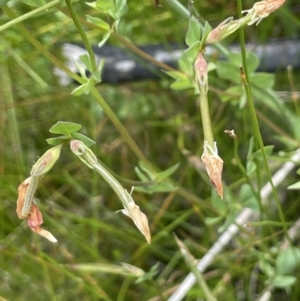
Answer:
(232, 230)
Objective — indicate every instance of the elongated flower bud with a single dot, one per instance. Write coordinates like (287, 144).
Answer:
(46, 162)
(201, 72)
(259, 11)
(214, 166)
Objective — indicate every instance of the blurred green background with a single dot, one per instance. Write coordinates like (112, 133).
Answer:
(79, 207)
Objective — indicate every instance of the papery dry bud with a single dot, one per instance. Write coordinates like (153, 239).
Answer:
(139, 218)
(32, 215)
(26, 191)
(34, 221)
(214, 166)
(262, 9)
(46, 162)
(201, 70)
(230, 133)
(22, 191)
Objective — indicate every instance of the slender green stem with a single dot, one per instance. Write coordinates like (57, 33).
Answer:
(28, 15)
(206, 123)
(34, 182)
(6, 94)
(26, 34)
(267, 223)
(255, 124)
(83, 35)
(125, 42)
(23, 64)
(89, 158)
(190, 261)
(179, 8)
(244, 173)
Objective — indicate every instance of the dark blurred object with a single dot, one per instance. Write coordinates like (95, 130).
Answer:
(121, 65)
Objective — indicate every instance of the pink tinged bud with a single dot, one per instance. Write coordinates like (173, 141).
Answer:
(214, 166)
(218, 33)
(262, 9)
(35, 218)
(83, 153)
(34, 221)
(201, 70)
(46, 162)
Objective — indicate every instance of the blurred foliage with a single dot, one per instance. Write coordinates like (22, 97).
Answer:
(79, 207)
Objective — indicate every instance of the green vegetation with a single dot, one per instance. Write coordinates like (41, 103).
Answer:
(85, 146)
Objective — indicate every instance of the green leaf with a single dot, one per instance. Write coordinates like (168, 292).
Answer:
(176, 74)
(101, 65)
(57, 140)
(211, 66)
(148, 172)
(65, 128)
(98, 22)
(35, 3)
(268, 98)
(250, 167)
(205, 33)
(149, 275)
(229, 220)
(233, 94)
(87, 61)
(248, 199)
(262, 80)
(104, 39)
(295, 186)
(258, 154)
(97, 76)
(103, 5)
(166, 173)
(283, 281)
(141, 176)
(182, 84)
(81, 69)
(85, 88)
(228, 71)
(210, 221)
(156, 188)
(3, 2)
(191, 53)
(250, 149)
(86, 140)
(251, 59)
(287, 261)
(218, 203)
(79, 90)
(265, 266)
(193, 33)
(121, 8)
(185, 65)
